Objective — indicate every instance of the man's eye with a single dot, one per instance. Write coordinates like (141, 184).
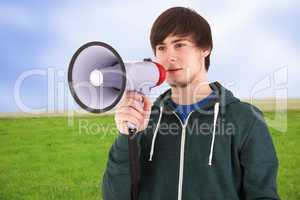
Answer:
(179, 45)
(160, 48)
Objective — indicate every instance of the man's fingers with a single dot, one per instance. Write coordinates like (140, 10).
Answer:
(138, 106)
(130, 118)
(128, 111)
(134, 108)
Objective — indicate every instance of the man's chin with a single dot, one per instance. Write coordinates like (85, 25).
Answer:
(175, 84)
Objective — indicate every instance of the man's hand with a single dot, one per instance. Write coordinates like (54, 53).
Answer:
(131, 109)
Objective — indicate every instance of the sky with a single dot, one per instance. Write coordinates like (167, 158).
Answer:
(255, 54)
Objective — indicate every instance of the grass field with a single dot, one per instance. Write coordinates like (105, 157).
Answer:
(45, 158)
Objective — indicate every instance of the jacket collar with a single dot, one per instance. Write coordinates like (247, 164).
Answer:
(221, 95)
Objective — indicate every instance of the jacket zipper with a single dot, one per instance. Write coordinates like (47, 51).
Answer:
(182, 145)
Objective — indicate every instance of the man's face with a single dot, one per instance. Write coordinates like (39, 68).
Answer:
(182, 59)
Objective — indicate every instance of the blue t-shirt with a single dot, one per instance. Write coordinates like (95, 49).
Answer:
(184, 110)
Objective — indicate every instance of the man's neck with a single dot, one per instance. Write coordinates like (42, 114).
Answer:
(192, 93)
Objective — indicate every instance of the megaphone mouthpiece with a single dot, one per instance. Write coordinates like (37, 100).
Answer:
(162, 73)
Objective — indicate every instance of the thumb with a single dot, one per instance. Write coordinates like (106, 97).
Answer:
(147, 104)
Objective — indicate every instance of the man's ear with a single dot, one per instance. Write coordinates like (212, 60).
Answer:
(206, 52)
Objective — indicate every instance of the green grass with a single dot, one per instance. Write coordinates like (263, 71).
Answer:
(288, 151)
(47, 158)
(43, 158)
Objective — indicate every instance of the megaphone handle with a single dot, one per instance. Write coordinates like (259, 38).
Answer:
(131, 125)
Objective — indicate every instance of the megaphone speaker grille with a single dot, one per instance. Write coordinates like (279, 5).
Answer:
(87, 83)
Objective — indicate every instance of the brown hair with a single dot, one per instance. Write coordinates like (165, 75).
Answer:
(182, 21)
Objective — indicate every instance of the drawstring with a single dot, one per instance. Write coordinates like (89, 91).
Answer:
(216, 112)
(155, 134)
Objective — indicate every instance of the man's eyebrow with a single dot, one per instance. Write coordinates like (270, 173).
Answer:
(180, 40)
(177, 40)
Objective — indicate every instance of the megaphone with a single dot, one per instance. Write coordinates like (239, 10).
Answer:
(98, 77)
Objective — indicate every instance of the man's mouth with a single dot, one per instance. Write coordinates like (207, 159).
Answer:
(174, 70)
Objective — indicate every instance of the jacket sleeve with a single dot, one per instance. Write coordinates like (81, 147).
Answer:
(116, 178)
(259, 163)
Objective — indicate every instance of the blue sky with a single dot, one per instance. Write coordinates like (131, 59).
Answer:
(255, 53)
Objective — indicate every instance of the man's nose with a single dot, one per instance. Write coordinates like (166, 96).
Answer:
(171, 56)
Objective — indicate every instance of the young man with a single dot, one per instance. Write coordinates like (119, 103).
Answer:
(199, 142)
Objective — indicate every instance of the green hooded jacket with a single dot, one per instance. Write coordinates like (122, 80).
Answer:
(223, 152)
